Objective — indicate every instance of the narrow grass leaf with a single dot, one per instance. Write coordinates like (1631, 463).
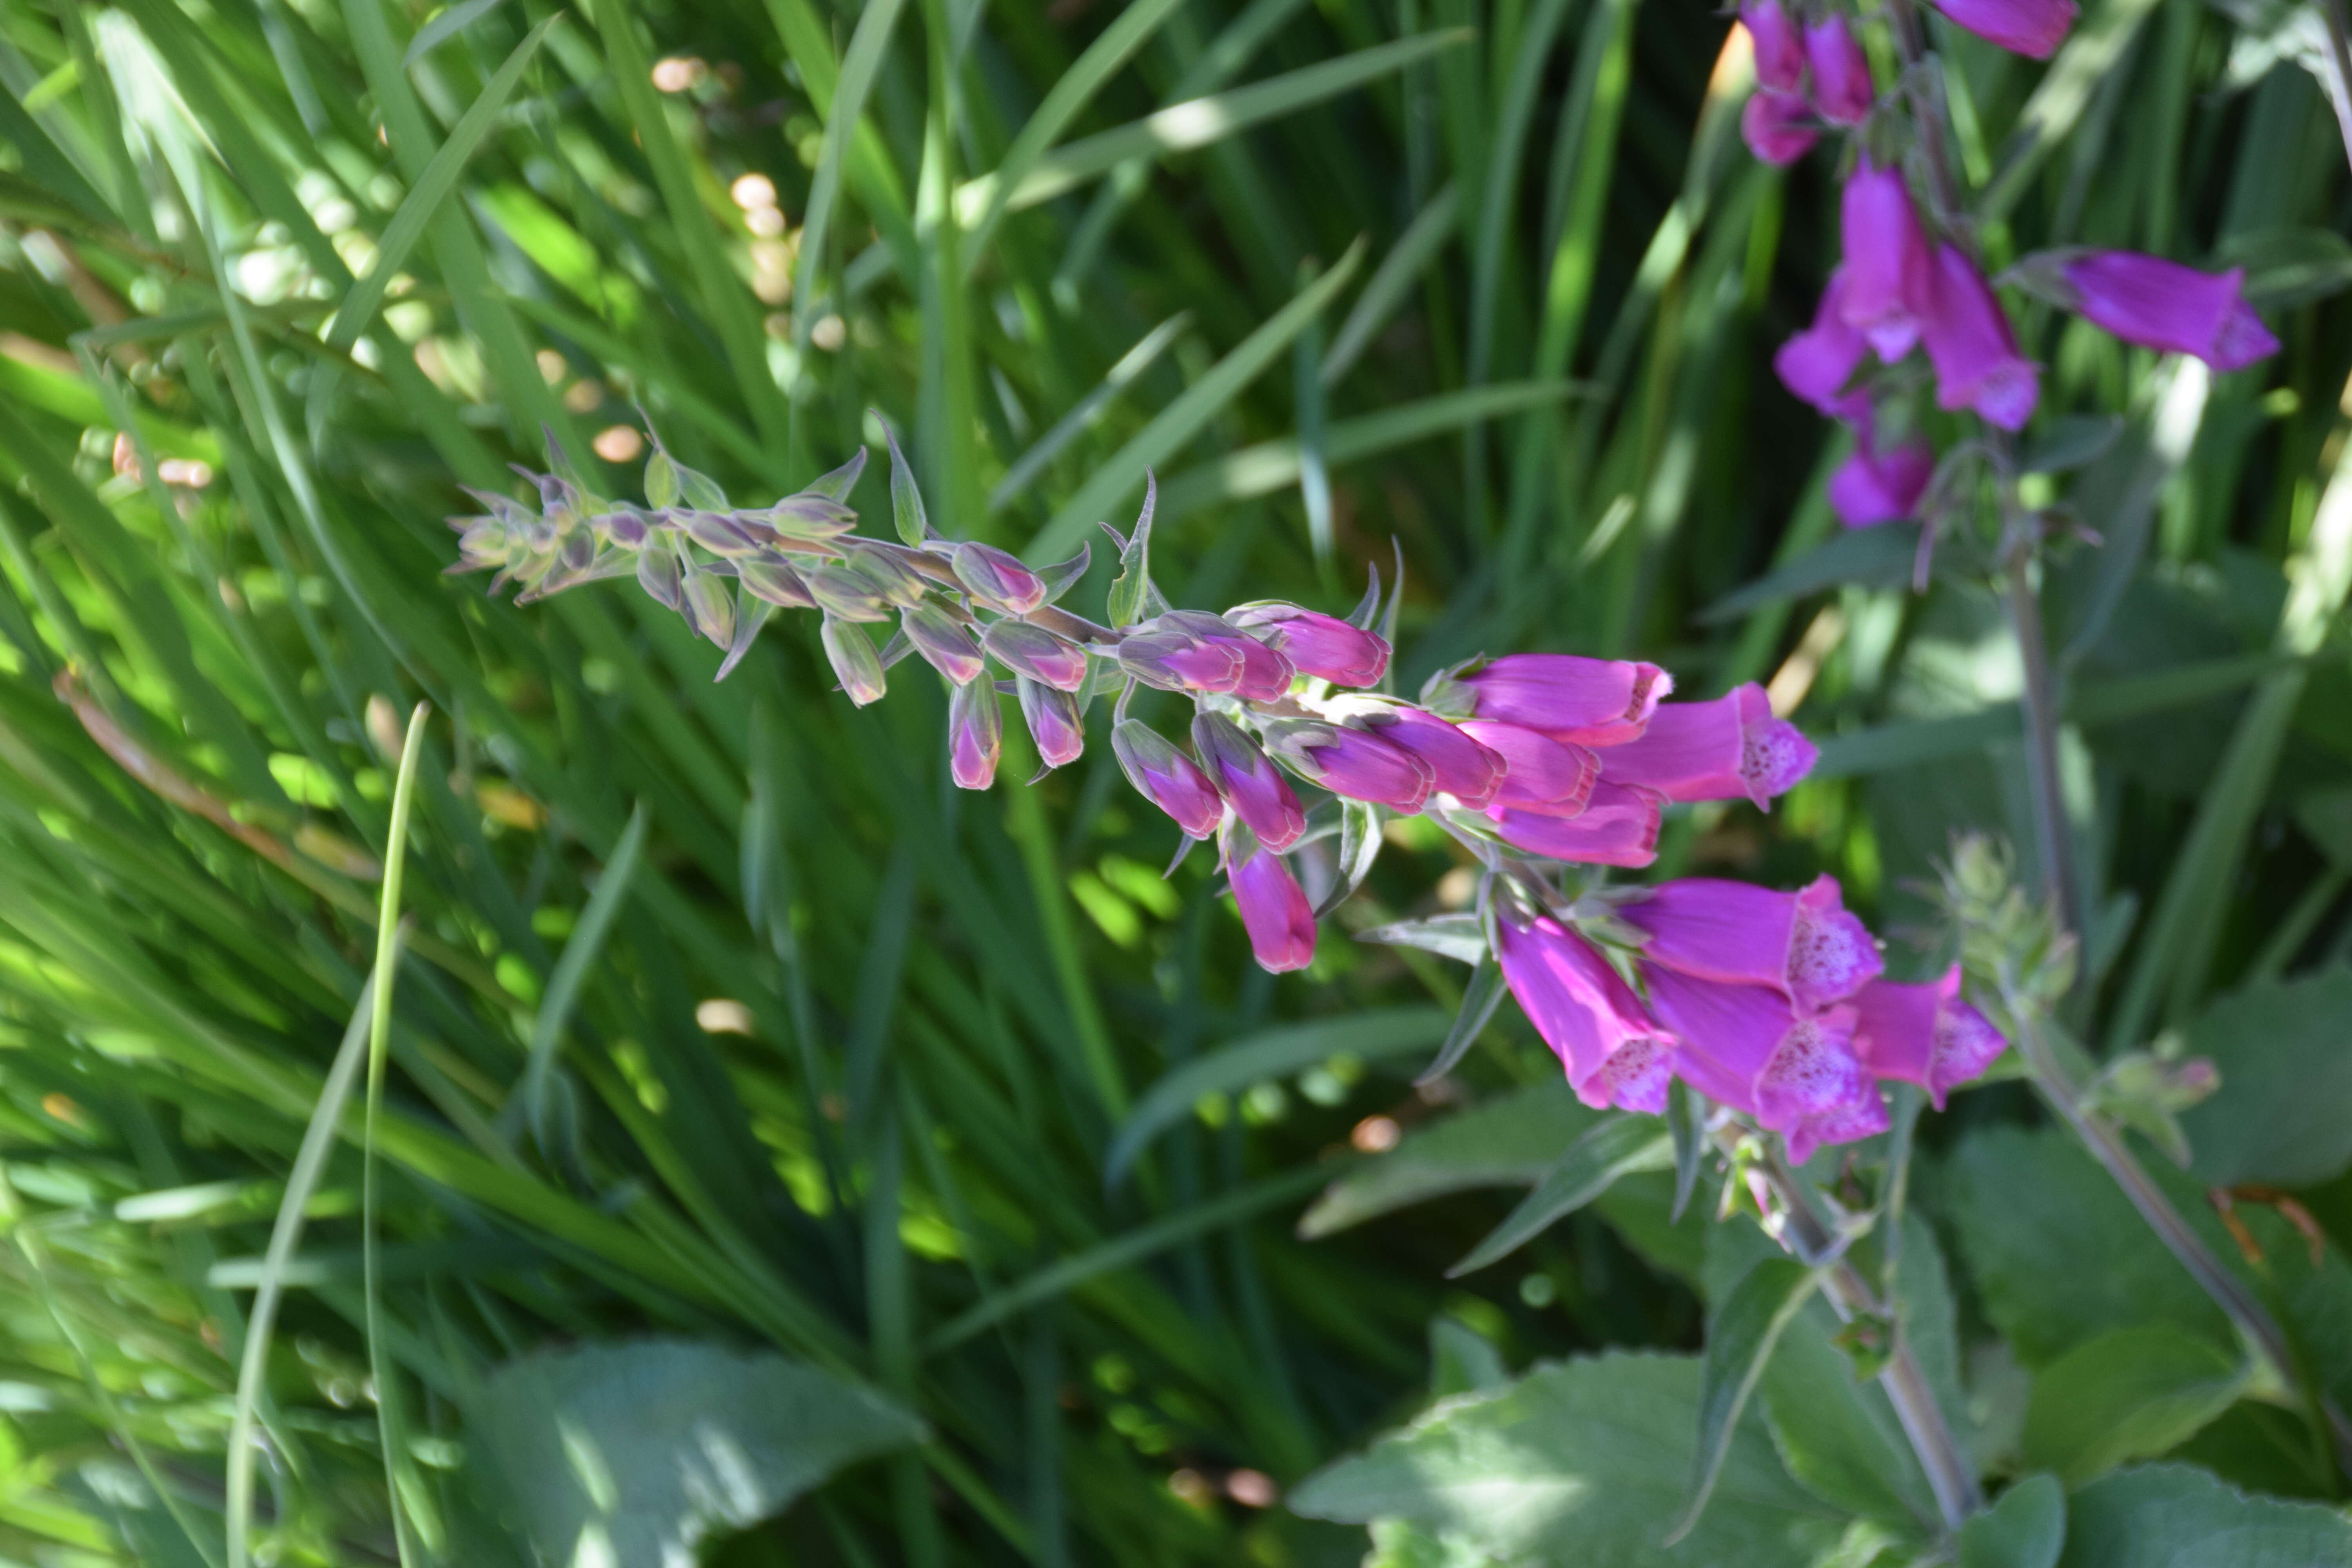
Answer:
(1616, 1147)
(1739, 1339)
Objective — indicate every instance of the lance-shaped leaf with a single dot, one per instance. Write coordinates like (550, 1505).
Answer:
(1685, 1119)
(747, 628)
(905, 500)
(2025, 1529)
(1460, 936)
(1739, 1339)
(1360, 845)
(836, 485)
(1130, 590)
(1060, 577)
(1479, 999)
(1368, 608)
(1616, 1147)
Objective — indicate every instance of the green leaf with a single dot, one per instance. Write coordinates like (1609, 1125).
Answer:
(906, 500)
(571, 972)
(1460, 936)
(2024, 1528)
(2286, 1077)
(2177, 1516)
(2125, 1396)
(1578, 1464)
(630, 1453)
(1870, 557)
(1131, 591)
(1462, 1360)
(1359, 846)
(1480, 998)
(1509, 1142)
(1400, 1543)
(1837, 1432)
(1616, 1146)
(1741, 1333)
(2288, 268)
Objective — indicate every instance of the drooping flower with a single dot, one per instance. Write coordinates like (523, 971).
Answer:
(1055, 721)
(854, 663)
(1543, 775)
(997, 578)
(2034, 28)
(1924, 1034)
(1780, 50)
(1613, 1051)
(1778, 126)
(1744, 1047)
(1842, 86)
(1036, 653)
(1618, 827)
(1351, 762)
(1972, 348)
(1889, 271)
(975, 733)
(1804, 944)
(1458, 766)
(1275, 910)
(1318, 645)
(1817, 364)
(1167, 777)
(1590, 701)
(2161, 304)
(1729, 749)
(1249, 781)
(1872, 486)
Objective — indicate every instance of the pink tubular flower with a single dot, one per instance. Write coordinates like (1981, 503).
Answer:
(1320, 646)
(1817, 362)
(1173, 661)
(1355, 762)
(1972, 348)
(1614, 1053)
(1544, 774)
(1054, 722)
(1889, 272)
(1780, 50)
(2161, 304)
(1265, 672)
(1618, 827)
(1924, 1034)
(1872, 487)
(1590, 701)
(1036, 653)
(1803, 944)
(1167, 777)
(975, 734)
(1728, 749)
(1842, 87)
(1742, 1045)
(997, 579)
(1249, 781)
(1458, 766)
(1275, 910)
(2031, 28)
(1776, 126)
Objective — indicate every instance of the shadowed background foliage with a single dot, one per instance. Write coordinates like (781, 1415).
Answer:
(831, 1060)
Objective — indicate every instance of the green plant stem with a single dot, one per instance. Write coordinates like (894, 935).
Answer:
(2106, 1146)
(2052, 841)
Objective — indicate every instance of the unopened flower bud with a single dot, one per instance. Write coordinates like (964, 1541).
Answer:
(626, 526)
(657, 574)
(896, 582)
(1249, 780)
(1174, 662)
(1265, 671)
(946, 645)
(1036, 653)
(1167, 777)
(770, 578)
(854, 663)
(1274, 908)
(844, 593)
(719, 533)
(709, 609)
(975, 734)
(1322, 646)
(809, 516)
(1357, 763)
(997, 578)
(1054, 720)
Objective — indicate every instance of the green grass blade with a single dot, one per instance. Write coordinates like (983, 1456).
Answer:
(1088, 409)
(842, 119)
(1386, 290)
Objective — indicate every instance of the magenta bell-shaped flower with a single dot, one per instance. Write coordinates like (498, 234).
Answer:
(1889, 271)
(1275, 910)
(997, 578)
(1318, 645)
(1458, 766)
(1055, 721)
(2161, 304)
(1589, 701)
(1842, 87)
(975, 734)
(1972, 348)
(1872, 487)
(1543, 774)
(1743, 1047)
(1618, 827)
(1352, 761)
(1817, 364)
(1780, 49)
(2034, 28)
(1167, 777)
(1613, 1051)
(1778, 126)
(1803, 944)
(1729, 749)
(1924, 1034)
(1249, 781)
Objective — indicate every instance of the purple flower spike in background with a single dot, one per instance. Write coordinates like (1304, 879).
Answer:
(1614, 1052)
(1167, 777)
(1817, 362)
(1778, 126)
(1872, 487)
(1357, 763)
(2161, 304)
(1743, 1046)
(1592, 701)
(1618, 827)
(1842, 86)
(1779, 47)
(1460, 766)
(2031, 28)
(975, 734)
(1318, 645)
(1730, 749)
(1889, 272)
(1973, 350)
(1275, 910)
(1803, 944)
(1924, 1034)
(1248, 780)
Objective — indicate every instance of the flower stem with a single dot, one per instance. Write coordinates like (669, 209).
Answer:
(2052, 841)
